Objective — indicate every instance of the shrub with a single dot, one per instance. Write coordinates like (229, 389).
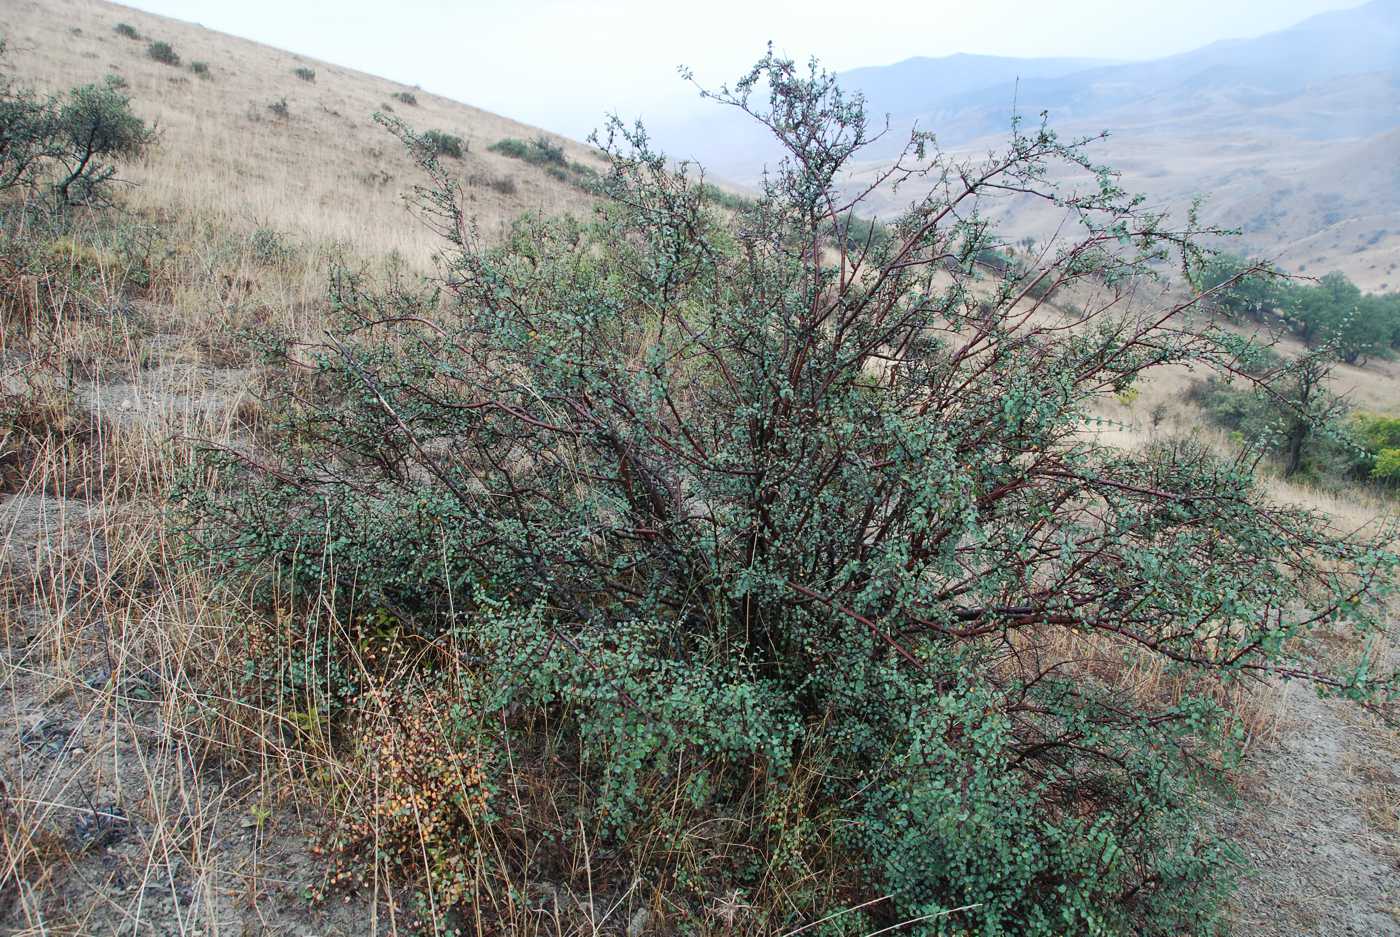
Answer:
(201, 69)
(405, 97)
(70, 142)
(127, 30)
(1379, 438)
(1386, 467)
(550, 157)
(544, 151)
(539, 151)
(270, 248)
(430, 759)
(705, 524)
(441, 143)
(279, 109)
(515, 149)
(305, 74)
(163, 52)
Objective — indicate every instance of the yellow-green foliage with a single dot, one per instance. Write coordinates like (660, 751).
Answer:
(1380, 436)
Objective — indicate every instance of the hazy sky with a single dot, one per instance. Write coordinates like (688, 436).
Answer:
(560, 64)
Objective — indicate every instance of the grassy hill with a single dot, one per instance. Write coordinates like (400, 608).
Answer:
(325, 170)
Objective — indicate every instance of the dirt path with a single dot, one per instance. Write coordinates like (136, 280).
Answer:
(1318, 821)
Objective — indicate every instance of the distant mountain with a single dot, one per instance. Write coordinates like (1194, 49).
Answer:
(1293, 136)
(1356, 49)
(913, 85)
(1333, 76)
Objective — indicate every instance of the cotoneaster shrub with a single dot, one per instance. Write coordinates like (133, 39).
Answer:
(732, 520)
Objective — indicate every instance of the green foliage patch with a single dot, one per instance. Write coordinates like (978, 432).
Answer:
(163, 52)
(442, 143)
(550, 156)
(68, 146)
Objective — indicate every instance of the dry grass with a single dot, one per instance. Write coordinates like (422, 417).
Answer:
(327, 172)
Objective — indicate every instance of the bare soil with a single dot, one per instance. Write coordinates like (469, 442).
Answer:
(1317, 822)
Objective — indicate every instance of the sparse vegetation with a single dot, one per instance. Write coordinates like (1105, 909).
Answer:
(502, 185)
(405, 97)
(270, 248)
(304, 73)
(201, 69)
(550, 156)
(163, 52)
(280, 109)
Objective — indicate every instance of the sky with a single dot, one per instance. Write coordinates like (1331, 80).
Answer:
(562, 65)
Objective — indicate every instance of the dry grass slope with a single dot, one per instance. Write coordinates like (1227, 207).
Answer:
(326, 171)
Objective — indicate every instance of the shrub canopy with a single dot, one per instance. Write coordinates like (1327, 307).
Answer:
(733, 495)
(69, 142)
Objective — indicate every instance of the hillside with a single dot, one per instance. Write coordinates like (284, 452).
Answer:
(325, 171)
(1289, 136)
(653, 577)
(1316, 80)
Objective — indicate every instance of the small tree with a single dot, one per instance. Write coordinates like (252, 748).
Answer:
(1238, 288)
(731, 499)
(1301, 390)
(73, 142)
(94, 126)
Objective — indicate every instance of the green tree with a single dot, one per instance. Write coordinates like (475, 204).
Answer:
(1301, 392)
(1240, 288)
(71, 143)
(1334, 312)
(92, 128)
(725, 495)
